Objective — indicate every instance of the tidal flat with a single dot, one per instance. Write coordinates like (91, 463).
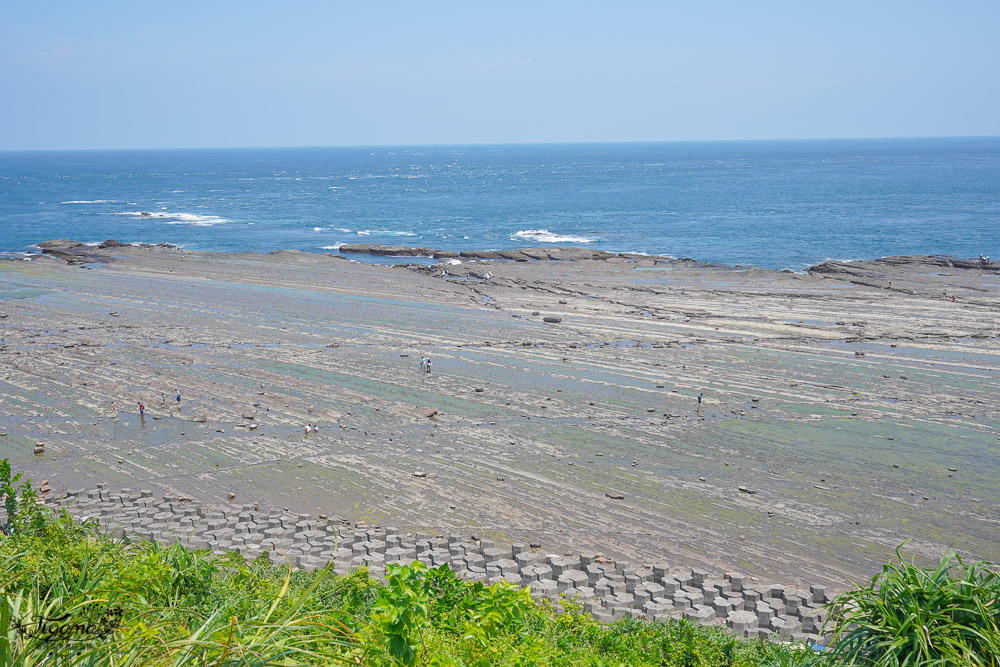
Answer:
(845, 410)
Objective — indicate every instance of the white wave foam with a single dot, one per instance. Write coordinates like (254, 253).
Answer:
(383, 232)
(320, 229)
(452, 261)
(545, 236)
(179, 218)
(335, 246)
(90, 201)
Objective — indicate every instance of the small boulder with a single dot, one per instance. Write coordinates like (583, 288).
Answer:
(552, 320)
(615, 495)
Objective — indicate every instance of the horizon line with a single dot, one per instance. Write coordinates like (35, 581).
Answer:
(483, 144)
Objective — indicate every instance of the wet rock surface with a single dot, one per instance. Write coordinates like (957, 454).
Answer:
(847, 455)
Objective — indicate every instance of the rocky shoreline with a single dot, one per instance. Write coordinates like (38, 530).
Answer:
(559, 253)
(74, 252)
(845, 410)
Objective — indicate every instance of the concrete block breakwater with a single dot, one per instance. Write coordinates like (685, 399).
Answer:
(607, 589)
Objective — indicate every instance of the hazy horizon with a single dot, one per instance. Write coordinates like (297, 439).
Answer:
(511, 143)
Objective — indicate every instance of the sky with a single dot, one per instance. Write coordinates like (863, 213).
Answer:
(176, 74)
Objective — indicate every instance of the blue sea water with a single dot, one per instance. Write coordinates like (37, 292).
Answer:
(776, 204)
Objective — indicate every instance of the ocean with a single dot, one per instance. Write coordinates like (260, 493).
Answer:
(774, 204)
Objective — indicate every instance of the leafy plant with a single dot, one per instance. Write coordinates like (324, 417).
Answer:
(401, 611)
(24, 513)
(906, 615)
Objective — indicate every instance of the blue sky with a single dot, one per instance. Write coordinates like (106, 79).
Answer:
(197, 74)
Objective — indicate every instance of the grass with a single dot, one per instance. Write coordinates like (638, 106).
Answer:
(70, 595)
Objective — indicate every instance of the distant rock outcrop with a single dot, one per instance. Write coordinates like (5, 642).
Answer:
(521, 254)
(394, 250)
(74, 252)
(916, 262)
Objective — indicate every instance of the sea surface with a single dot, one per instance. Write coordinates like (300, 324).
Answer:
(775, 204)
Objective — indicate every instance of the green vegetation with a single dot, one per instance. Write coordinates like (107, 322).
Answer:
(906, 615)
(74, 596)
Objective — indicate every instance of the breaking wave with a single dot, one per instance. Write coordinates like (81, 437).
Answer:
(383, 232)
(363, 232)
(545, 236)
(191, 219)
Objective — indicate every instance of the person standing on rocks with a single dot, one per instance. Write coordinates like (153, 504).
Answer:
(178, 398)
(700, 397)
(427, 367)
(142, 409)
